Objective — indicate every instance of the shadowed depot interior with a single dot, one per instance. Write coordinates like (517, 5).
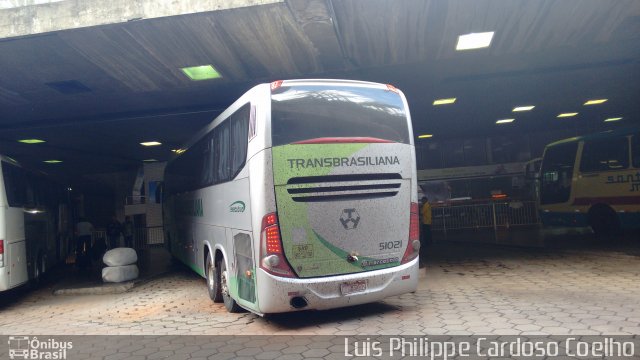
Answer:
(95, 93)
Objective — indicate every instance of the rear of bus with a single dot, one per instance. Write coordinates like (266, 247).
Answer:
(344, 229)
(13, 256)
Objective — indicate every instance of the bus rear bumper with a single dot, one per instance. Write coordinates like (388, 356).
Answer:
(275, 293)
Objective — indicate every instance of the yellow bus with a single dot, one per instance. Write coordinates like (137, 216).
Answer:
(592, 180)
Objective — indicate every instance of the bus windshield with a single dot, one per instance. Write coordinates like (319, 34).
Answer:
(304, 112)
(557, 171)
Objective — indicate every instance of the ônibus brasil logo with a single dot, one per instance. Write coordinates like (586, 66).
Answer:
(237, 206)
(25, 347)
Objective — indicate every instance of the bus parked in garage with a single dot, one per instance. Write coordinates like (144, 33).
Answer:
(33, 216)
(301, 195)
(592, 181)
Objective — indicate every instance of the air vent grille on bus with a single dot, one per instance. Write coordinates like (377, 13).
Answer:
(343, 187)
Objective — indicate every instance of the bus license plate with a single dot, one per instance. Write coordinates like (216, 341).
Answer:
(353, 287)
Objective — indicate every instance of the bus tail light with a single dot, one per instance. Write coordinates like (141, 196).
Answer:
(276, 84)
(413, 246)
(393, 89)
(272, 258)
(1, 253)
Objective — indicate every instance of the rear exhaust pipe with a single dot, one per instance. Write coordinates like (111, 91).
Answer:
(298, 302)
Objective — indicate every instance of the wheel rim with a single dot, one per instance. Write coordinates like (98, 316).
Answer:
(210, 275)
(223, 284)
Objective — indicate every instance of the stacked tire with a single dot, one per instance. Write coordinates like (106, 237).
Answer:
(121, 265)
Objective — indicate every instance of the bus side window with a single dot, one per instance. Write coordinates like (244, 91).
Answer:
(15, 184)
(603, 155)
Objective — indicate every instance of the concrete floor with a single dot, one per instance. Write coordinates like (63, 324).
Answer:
(585, 287)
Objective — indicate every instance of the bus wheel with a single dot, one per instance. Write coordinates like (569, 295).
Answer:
(229, 303)
(37, 271)
(213, 281)
(603, 220)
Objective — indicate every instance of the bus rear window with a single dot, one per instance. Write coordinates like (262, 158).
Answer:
(306, 112)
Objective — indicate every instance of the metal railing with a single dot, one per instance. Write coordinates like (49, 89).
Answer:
(488, 215)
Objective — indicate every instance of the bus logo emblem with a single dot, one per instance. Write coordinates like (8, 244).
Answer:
(349, 219)
(237, 207)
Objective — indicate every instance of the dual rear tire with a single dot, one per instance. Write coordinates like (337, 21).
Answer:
(218, 281)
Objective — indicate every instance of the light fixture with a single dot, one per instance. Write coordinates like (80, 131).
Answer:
(613, 119)
(53, 161)
(567, 114)
(178, 151)
(504, 121)
(202, 72)
(425, 136)
(444, 101)
(150, 143)
(523, 108)
(474, 40)
(31, 141)
(149, 160)
(595, 102)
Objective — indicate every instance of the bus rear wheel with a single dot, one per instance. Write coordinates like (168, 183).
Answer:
(229, 303)
(213, 281)
(603, 220)
(38, 270)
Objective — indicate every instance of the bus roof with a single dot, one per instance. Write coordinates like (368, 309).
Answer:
(8, 159)
(601, 135)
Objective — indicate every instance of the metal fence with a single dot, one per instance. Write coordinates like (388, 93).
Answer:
(487, 215)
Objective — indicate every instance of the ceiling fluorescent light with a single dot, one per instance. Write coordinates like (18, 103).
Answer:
(444, 101)
(425, 136)
(567, 114)
(31, 141)
(613, 119)
(595, 102)
(523, 108)
(53, 161)
(504, 121)
(474, 41)
(203, 72)
(150, 143)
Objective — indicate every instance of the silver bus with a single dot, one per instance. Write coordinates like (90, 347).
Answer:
(34, 223)
(301, 195)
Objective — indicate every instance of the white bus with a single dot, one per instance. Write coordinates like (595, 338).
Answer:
(301, 195)
(33, 224)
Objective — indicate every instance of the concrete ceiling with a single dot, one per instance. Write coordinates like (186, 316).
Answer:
(122, 84)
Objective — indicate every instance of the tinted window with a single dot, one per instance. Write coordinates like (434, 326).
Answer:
(474, 152)
(216, 158)
(557, 171)
(25, 188)
(15, 184)
(602, 155)
(452, 153)
(310, 112)
(239, 128)
(635, 150)
(428, 155)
